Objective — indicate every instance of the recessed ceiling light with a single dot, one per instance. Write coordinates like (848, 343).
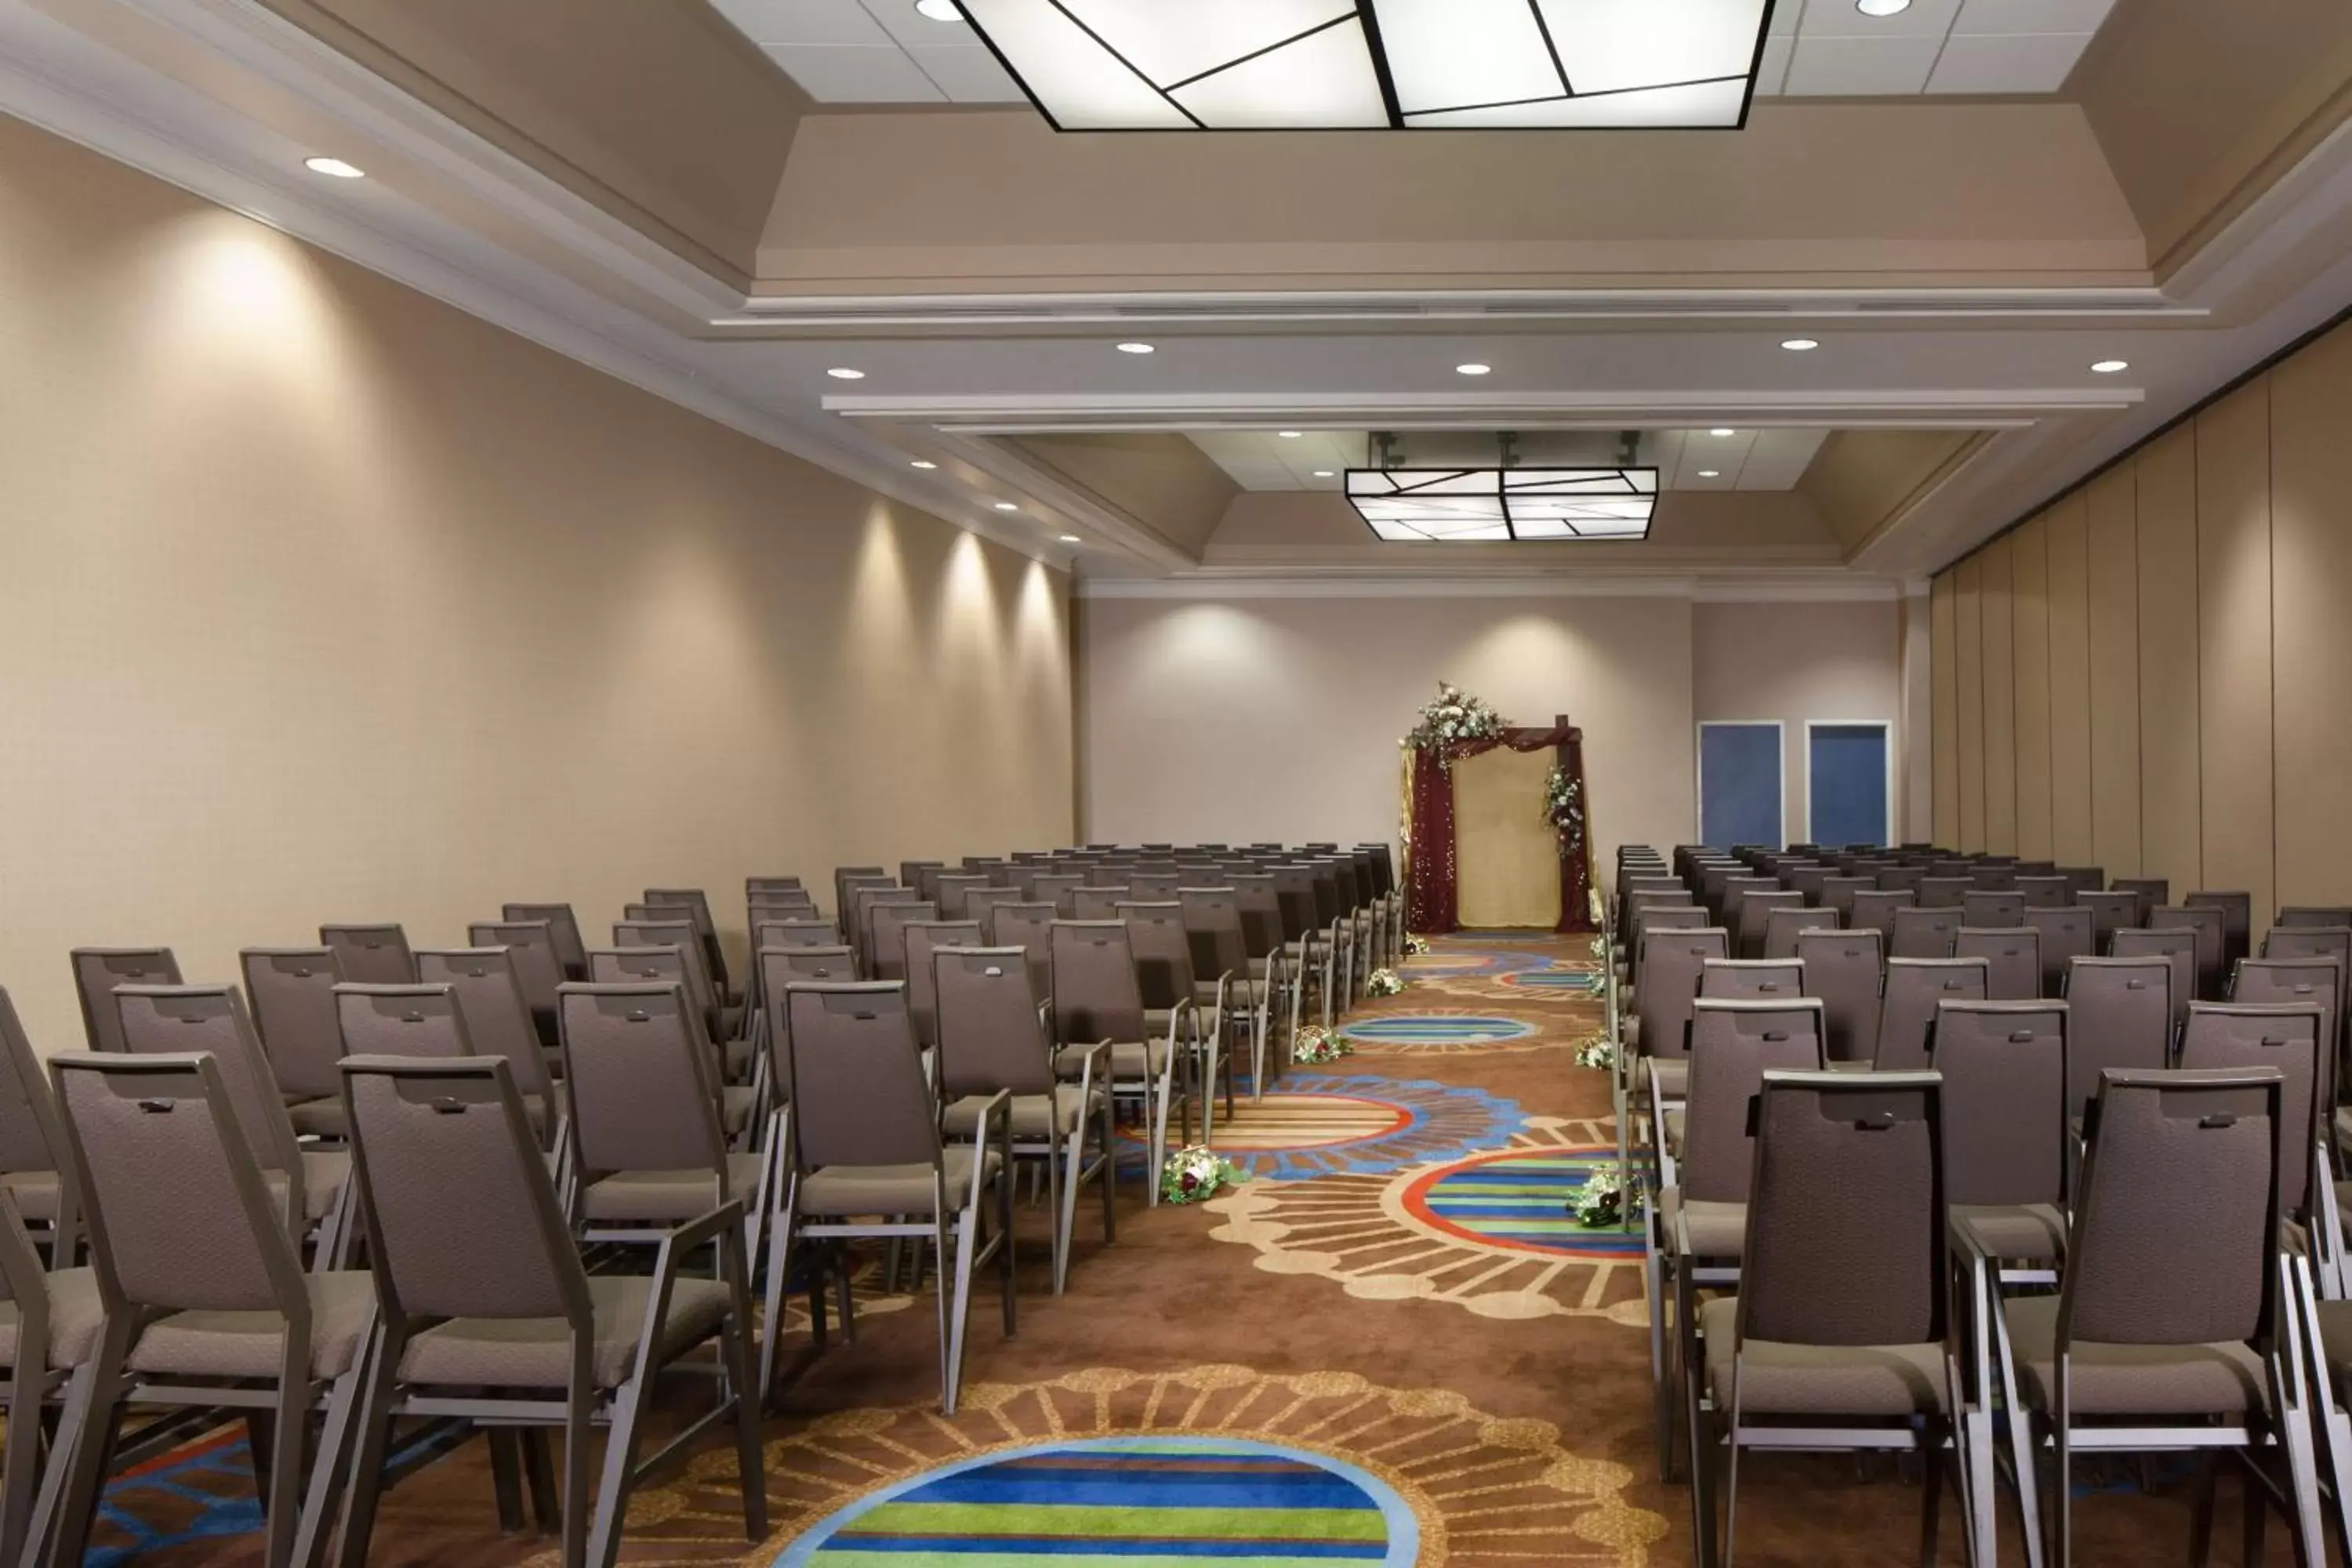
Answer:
(1138, 348)
(2112, 366)
(947, 10)
(1290, 435)
(1881, 7)
(1072, 539)
(1325, 474)
(1006, 506)
(922, 463)
(1472, 369)
(1710, 473)
(335, 167)
(1799, 345)
(1721, 430)
(843, 373)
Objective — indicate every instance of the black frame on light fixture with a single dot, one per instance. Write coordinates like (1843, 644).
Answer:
(1363, 13)
(1503, 493)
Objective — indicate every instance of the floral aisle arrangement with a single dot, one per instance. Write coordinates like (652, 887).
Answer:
(1416, 945)
(1455, 717)
(1602, 1201)
(1596, 1052)
(1196, 1173)
(1314, 1045)
(1384, 983)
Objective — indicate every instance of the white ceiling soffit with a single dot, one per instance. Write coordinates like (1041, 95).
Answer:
(1769, 459)
(1829, 49)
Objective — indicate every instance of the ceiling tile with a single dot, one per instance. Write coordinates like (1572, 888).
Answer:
(884, 75)
(1785, 15)
(1780, 457)
(1830, 68)
(916, 31)
(968, 75)
(834, 22)
(1981, 64)
(1840, 19)
(1774, 67)
(2023, 17)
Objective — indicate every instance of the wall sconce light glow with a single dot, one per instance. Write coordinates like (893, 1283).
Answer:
(334, 168)
(924, 463)
(1072, 539)
(2112, 366)
(1881, 7)
(1006, 506)
(948, 11)
(843, 373)
(1473, 369)
(1138, 348)
(1799, 345)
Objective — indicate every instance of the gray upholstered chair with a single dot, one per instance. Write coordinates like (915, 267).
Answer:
(35, 1173)
(1783, 926)
(1925, 932)
(370, 955)
(2064, 934)
(924, 938)
(497, 1023)
(292, 995)
(2013, 954)
(672, 964)
(1908, 1003)
(98, 970)
(1098, 996)
(49, 1327)
(563, 930)
(1844, 969)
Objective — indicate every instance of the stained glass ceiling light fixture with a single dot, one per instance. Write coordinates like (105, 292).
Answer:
(1450, 506)
(1363, 65)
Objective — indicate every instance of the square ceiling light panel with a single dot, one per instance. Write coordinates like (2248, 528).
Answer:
(1365, 65)
(1452, 506)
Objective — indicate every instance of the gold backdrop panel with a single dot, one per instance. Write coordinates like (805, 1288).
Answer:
(1506, 853)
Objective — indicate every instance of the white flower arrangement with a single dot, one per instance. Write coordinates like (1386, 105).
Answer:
(1315, 1045)
(1196, 1173)
(1384, 983)
(1602, 1201)
(1417, 945)
(1596, 1052)
(1455, 717)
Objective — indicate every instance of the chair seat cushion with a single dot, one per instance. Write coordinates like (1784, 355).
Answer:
(322, 1117)
(1778, 1379)
(737, 1056)
(1132, 1061)
(36, 1193)
(535, 1352)
(1715, 1230)
(75, 1316)
(2134, 1380)
(667, 1197)
(324, 1171)
(2021, 1232)
(245, 1344)
(841, 1191)
(1054, 1115)
(735, 1104)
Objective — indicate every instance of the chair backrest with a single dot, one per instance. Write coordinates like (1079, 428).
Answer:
(2111, 912)
(490, 999)
(886, 920)
(679, 936)
(1994, 879)
(666, 965)
(1671, 963)
(1029, 927)
(1754, 920)
(953, 889)
(2119, 1019)
(1925, 932)
(2212, 952)
(1782, 926)
(1943, 892)
(1988, 910)
(2150, 891)
(2145, 1267)
(2237, 922)
(1838, 893)
(1685, 916)
(174, 1020)
(563, 930)
(2004, 1070)
(862, 900)
(1871, 1270)
(1902, 879)
(538, 969)
(1097, 996)
(990, 1037)
(923, 939)
(1213, 922)
(30, 1136)
(1160, 887)
(1906, 1012)
(1092, 904)
(1162, 950)
(2296, 915)
(98, 970)
(1732, 1045)
(2293, 982)
(418, 1020)
(1261, 910)
(921, 875)
(2178, 943)
(2063, 935)
(462, 1217)
(174, 1203)
(2230, 1036)
(1773, 979)
(795, 933)
(854, 1078)
(642, 1079)
(1059, 889)
(370, 955)
(2014, 955)
(2046, 892)
(1875, 911)
(779, 883)
(1843, 969)
(2317, 942)
(291, 991)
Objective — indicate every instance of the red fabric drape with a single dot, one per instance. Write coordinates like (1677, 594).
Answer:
(1432, 892)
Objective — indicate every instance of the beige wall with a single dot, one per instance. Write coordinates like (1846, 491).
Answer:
(1799, 662)
(319, 601)
(1238, 720)
(2184, 662)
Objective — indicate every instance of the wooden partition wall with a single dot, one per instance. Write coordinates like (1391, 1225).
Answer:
(2155, 674)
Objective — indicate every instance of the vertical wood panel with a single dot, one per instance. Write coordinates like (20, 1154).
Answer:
(2234, 640)
(1999, 697)
(2115, 669)
(1968, 584)
(2171, 787)
(2070, 684)
(2311, 544)
(1944, 667)
(2029, 568)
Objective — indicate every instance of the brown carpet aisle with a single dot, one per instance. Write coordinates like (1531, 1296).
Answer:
(1487, 1382)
